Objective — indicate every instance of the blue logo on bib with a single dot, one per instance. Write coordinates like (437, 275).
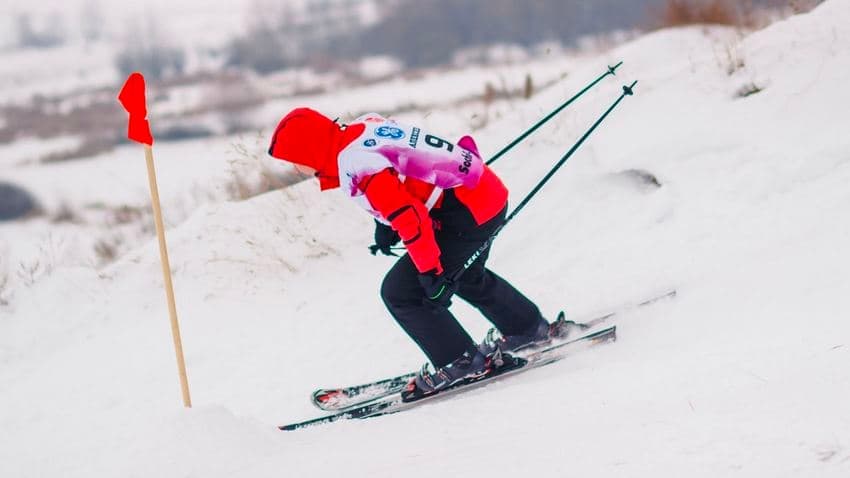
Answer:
(389, 132)
(370, 142)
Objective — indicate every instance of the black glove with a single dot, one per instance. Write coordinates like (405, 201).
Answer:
(385, 237)
(438, 288)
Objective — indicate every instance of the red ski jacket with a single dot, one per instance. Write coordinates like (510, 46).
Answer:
(308, 138)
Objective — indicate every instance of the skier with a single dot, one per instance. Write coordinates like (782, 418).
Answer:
(443, 202)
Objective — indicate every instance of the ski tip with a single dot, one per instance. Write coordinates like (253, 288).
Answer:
(326, 395)
(327, 399)
(670, 294)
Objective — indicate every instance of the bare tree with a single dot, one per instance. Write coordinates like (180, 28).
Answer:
(146, 50)
(50, 34)
(92, 22)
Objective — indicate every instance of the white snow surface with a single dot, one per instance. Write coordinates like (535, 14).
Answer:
(745, 373)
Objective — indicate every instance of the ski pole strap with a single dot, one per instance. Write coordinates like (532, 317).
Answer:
(627, 91)
(612, 70)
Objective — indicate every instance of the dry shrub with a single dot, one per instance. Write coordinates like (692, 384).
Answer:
(528, 87)
(489, 93)
(803, 6)
(49, 253)
(65, 214)
(230, 93)
(690, 12)
(732, 59)
(107, 250)
(5, 287)
(98, 124)
(44, 118)
(127, 215)
(250, 173)
(90, 146)
(245, 185)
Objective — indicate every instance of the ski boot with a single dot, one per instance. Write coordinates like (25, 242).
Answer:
(470, 366)
(540, 334)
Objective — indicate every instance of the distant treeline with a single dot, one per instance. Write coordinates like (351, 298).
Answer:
(427, 32)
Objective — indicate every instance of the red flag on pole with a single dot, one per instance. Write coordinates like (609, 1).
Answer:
(132, 98)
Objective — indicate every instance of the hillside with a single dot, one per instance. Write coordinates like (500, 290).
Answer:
(744, 373)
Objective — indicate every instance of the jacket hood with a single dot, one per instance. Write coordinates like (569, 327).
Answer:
(308, 138)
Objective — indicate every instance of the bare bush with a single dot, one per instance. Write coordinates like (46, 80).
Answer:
(251, 174)
(65, 214)
(50, 250)
(734, 59)
(107, 250)
(96, 122)
(676, 13)
(489, 93)
(126, 215)
(29, 272)
(803, 6)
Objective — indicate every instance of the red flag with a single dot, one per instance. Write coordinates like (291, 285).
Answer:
(132, 98)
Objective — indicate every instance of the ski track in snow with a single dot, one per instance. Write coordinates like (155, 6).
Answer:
(745, 373)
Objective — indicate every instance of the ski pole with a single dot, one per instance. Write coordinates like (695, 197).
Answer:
(612, 70)
(627, 91)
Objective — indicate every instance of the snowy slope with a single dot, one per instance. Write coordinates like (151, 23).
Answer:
(204, 171)
(202, 28)
(745, 373)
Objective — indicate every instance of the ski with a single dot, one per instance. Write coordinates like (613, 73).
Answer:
(345, 398)
(339, 399)
(394, 402)
(588, 324)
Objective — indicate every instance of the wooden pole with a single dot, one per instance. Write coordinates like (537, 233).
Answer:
(166, 274)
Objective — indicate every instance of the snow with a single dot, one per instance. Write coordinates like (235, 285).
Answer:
(746, 372)
(201, 28)
(26, 73)
(378, 67)
(30, 150)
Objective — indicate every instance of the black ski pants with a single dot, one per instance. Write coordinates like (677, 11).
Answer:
(433, 327)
